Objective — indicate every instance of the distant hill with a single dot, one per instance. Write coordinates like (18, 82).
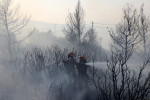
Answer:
(56, 29)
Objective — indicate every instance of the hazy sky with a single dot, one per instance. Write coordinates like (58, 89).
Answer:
(98, 11)
(55, 11)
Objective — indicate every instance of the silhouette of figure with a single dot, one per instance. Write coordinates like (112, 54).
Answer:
(69, 65)
(82, 72)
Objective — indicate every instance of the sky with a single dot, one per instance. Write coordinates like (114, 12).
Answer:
(56, 11)
(106, 12)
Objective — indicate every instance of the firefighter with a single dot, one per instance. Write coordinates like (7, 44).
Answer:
(69, 65)
(82, 72)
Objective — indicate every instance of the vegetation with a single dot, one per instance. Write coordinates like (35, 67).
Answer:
(39, 73)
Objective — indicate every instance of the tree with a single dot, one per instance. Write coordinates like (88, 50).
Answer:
(75, 33)
(74, 29)
(91, 47)
(90, 36)
(127, 34)
(126, 83)
(13, 23)
(144, 26)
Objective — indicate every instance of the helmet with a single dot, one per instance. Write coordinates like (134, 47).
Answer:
(70, 55)
(82, 59)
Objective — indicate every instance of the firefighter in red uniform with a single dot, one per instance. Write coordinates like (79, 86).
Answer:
(69, 65)
(82, 72)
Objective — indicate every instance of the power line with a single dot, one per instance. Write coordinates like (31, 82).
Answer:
(101, 27)
(104, 24)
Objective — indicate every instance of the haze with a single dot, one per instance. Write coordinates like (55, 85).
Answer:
(55, 11)
(106, 12)
(46, 58)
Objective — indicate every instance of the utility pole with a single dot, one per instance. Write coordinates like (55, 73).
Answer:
(92, 25)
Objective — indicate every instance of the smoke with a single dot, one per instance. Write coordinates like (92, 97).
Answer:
(134, 64)
(15, 87)
(46, 39)
(48, 84)
(98, 65)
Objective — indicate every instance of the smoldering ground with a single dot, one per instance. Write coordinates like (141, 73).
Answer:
(31, 79)
(39, 74)
(15, 85)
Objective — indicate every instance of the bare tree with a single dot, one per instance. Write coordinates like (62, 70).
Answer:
(13, 22)
(75, 25)
(126, 83)
(127, 34)
(48, 60)
(90, 37)
(144, 26)
(119, 81)
(75, 32)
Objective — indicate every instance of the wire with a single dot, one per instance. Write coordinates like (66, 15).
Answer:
(101, 27)
(104, 24)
